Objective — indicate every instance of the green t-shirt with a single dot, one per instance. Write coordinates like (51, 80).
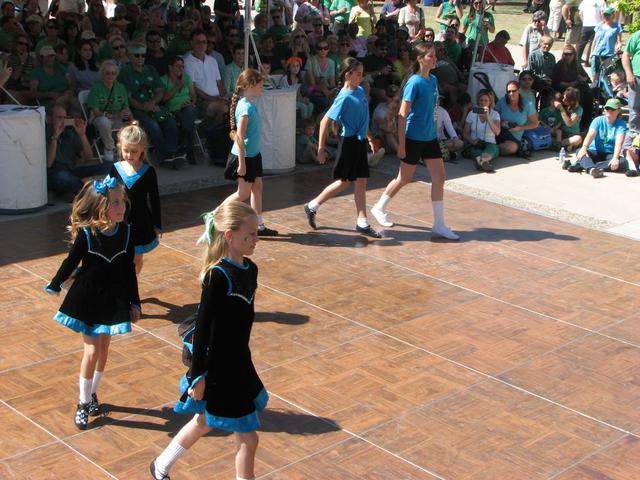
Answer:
(472, 28)
(575, 129)
(100, 99)
(50, 83)
(142, 85)
(178, 46)
(550, 117)
(337, 5)
(448, 11)
(633, 47)
(174, 104)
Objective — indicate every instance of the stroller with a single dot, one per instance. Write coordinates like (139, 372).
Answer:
(602, 88)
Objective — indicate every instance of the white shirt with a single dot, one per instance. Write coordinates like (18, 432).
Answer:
(205, 75)
(481, 130)
(591, 11)
(379, 117)
(443, 121)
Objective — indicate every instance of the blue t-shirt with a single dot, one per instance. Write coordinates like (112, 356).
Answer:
(423, 95)
(606, 133)
(351, 109)
(606, 41)
(252, 136)
(519, 117)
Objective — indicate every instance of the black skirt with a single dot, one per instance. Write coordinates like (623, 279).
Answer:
(351, 160)
(254, 168)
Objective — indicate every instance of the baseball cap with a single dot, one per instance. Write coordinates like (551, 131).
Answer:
(47, 50)
(613, 104)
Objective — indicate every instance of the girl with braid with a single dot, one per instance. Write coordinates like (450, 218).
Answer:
(222, 387)
(245, 161)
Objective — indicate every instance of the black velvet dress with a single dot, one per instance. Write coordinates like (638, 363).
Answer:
(234, 394)
(144, 213)
(105, 286)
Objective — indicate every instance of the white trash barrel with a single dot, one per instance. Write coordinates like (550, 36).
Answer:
(277, 110)
(23, 159)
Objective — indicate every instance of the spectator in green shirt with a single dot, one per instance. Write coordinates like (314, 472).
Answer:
(50, 84)
(180, 98)
(472, 21)
(109, 104)
(631, 63)
(181, 43)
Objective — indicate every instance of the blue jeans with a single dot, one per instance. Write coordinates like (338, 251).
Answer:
(64, 179)
(634, 106)
(164, 136)
(601, 160)
(186, 119)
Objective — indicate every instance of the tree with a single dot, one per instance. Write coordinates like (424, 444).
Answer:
(631, 8)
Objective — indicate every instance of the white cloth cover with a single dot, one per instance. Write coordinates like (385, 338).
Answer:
(23, 159)
(499, 75)
(277, 110)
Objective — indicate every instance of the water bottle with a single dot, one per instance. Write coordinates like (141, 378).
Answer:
(562, 156)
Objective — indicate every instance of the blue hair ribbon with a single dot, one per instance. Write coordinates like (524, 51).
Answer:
(103, 187)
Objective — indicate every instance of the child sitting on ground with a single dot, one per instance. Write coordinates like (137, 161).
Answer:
(550, 116)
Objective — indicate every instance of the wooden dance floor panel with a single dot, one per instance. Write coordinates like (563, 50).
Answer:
(512, 354)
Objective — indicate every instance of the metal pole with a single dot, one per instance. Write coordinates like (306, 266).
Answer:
(247, 31)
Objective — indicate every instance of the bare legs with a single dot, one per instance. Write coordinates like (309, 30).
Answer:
(246, 190)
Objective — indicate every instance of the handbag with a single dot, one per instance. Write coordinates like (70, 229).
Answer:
(231, 169)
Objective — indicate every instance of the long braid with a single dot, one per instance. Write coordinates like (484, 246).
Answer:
(248, 78)
(232, 113)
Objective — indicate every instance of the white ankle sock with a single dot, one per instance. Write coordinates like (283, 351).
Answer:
(85, 389)
(632, 166)
(438, 213)
(383, 202)
(313, 205)
(238, 477)
(97, 376)
(169, 456)
(362, 222)
(260, 220)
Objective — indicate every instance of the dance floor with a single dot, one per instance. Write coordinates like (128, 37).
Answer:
(512, 354)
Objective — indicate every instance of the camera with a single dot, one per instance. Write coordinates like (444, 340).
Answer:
(478, 110)
(69, 122)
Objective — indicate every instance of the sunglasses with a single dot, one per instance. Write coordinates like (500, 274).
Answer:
(512, 91)
(568, 54)
(324, 47)
(298, 36)
(117, 47)
(428, 35)
(610, 109)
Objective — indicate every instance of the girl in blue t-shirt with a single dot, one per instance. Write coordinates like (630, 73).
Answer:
(245, 162)
(418, 139)
(351, 109)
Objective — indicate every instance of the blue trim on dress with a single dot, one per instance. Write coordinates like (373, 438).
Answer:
(230, 285)
(48, 289)
(244, 265)
(130, 180)
(91, 330)
(245, 424)
(111, 234)
(140, 249)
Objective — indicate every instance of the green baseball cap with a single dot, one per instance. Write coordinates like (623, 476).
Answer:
(609, 11)
(613, 104)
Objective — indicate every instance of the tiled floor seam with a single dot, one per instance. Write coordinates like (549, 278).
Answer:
(59, 440)
(479, 372)
(586, 457)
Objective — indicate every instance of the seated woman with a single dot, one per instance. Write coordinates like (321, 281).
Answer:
(321, 76)
(83, 69)
(569, 73)
(49, 83)
(568, 135)
(526, 87)
(109, 106)
(516, 115)
(480, 131)
(180, 98)
(22, 62)
(602, 148)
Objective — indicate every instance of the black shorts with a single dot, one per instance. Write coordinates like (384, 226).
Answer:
(417, 149)
(506, 136)
(351, 162)
(254, 168)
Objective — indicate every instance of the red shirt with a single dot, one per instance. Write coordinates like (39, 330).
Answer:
(501, 54)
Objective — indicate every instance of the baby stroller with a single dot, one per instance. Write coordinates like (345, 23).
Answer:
(602, 88)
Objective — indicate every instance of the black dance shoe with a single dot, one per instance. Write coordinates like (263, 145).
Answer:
(368, 231)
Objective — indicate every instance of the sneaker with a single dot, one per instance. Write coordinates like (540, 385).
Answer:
(311, 216)
(154, 472)
(597, 172)
(376, 157)
(575, 168)
(368, 231)
(631, 173)
(266, 232)
(566, 164)
(444, 232)
(381, 216)
(82, 416)
(94, 406)
(107, 155)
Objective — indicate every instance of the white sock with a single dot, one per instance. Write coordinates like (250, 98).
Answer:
(238, 477)
(362, 222)
(438, 213)
(97, 376)
(632, 166)
(383, 202)
(85, 389)
(313, 205)
(169, 456)
(260, 220)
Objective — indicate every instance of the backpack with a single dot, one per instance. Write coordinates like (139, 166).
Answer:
(538, 138)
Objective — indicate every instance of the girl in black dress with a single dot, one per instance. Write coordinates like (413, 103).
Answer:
(141, 183)
(103, 299)
(222, 387)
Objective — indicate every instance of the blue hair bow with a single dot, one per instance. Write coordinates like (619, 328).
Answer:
(102, 187)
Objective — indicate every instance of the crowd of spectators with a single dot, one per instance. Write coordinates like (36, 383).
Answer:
(173, 69)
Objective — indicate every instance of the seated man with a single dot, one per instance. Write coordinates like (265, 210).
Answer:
(203, 70)
(145, 96)
(65, 146)
(497, 51)
(541, 63)
(602, 149)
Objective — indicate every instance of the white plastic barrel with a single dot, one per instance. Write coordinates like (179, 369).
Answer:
(23, 159)
(277, 110)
